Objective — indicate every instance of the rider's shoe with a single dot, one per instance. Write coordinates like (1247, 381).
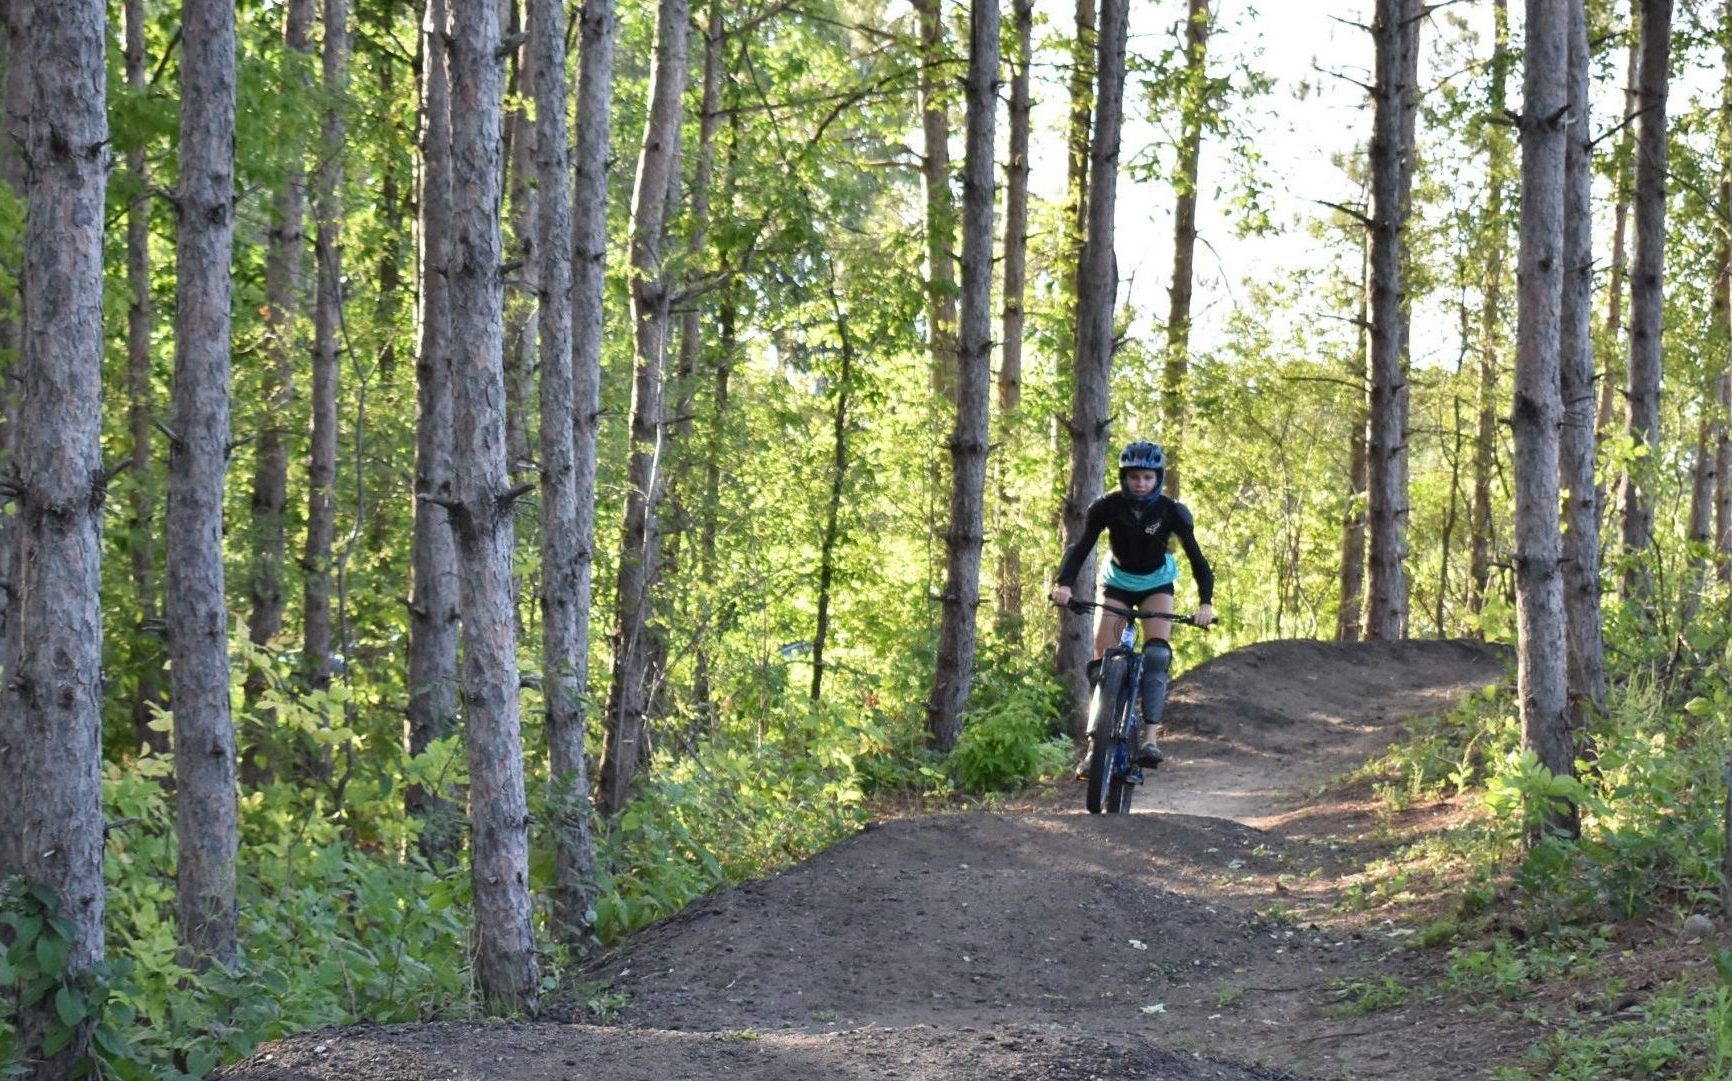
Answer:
(1150, 755)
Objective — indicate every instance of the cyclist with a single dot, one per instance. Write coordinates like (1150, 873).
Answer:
(1140, 524)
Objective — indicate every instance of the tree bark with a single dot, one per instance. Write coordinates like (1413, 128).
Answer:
(1350, 614)
(1541, 673)
(952, 679)
(285, 241)
(151, 691)
(1722, 448)
(1175, 389)
(316, 656)
(17, 90)
(597, 29)
(1617, 267)
(840, 420)
(1491, 317)
(1577, 436)
(1097, 288)
(625, 748)
(940, 204)
(433, 604)
(574, 889)
(1647, 293)
(204, 739)
(51, 725)
(505, 961)
(522, 285)
(1010, 420)
(1395, 32)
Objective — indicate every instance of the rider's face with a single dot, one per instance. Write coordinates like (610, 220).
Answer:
(1141, 481)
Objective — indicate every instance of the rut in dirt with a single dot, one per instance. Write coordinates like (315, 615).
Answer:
(1119, 941)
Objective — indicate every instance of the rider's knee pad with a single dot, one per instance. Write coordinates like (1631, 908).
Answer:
(1157, 657)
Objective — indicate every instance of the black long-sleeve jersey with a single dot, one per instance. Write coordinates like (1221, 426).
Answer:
(1139, 535)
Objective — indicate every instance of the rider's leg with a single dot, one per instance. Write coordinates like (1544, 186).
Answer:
(1157, 662)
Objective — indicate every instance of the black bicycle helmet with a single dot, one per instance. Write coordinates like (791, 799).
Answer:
(1142, 455)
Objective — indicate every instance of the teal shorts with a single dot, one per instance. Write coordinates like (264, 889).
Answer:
(1119, 578)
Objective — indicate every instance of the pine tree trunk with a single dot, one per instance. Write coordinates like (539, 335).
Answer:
(574, 890)
(1491, 318)
(1194, 99)
(940, 204)
(17, 90)
(51, 724)
(626, 746)
(838, 487)
(522, 283)
(1097, 286)
(1395, 32)
(1647, 292)
(1010, 419)
(285, 241)
(1617, 267)
(1541, 674)
(505, 961)
(1723, 320)
(204, 739)
(433, 604)
(1350, 613)
(151, 692)
(1577, 437)
(597, 28)
(955, 670)
(327, 325)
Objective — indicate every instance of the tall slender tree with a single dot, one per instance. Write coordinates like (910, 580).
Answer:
(1395, 35)
(1350, 613)
(591, 152)
(951, 680)
(1541, 668)
(1495, 231)
(560, 597)
(1097, 286)
(204, 738)
(1010, 421)
(51, 720)
(284, 254)
(626, 746)
(481, 514)
(316, 616)
(940, 203)
(1577, 435)
(1647, 289)
(1194, 99)
(433, 601)
(150, 693)
(1722, 448)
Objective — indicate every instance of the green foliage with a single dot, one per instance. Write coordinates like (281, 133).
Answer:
(1007, 740)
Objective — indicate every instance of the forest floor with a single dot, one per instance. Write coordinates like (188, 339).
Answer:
(1200, 939)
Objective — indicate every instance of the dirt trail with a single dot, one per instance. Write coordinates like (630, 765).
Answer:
(1194, 940)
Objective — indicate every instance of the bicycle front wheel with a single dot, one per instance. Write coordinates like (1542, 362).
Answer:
(1104, 712)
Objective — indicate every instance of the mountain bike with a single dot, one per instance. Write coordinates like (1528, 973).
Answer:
(1115, 721)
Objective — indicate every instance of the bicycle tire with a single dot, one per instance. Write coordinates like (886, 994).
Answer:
(1120, 790)
(1108, 689)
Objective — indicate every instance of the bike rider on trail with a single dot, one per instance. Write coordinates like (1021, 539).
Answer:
(1140, 524)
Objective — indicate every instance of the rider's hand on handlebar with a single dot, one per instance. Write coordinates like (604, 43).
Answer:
(1060, 595)
(1205, 615)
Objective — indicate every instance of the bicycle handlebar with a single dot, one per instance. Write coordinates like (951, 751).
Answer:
(1079, 605)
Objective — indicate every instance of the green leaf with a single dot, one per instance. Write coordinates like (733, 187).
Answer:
(69, 1005)
(200, 1061)
(57, 1039)
(1699, 706)
(51, 954)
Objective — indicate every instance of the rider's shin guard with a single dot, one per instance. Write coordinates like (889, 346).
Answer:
(1157, 661)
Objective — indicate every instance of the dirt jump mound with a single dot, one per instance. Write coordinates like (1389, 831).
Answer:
(1170, 944)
